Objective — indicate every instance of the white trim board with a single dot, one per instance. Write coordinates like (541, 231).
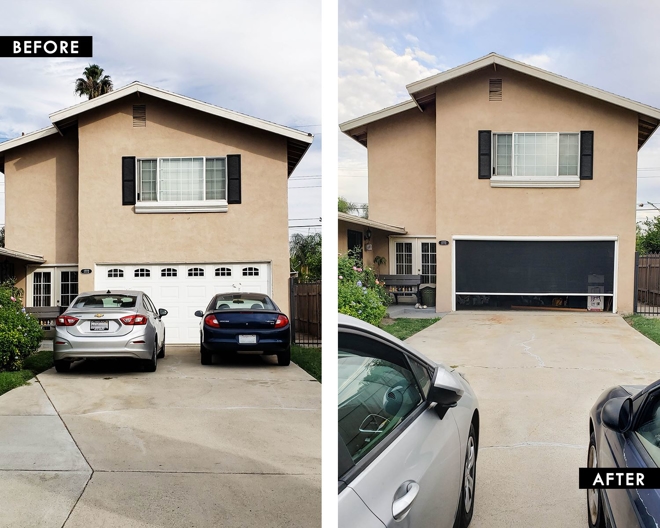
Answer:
(575, 238)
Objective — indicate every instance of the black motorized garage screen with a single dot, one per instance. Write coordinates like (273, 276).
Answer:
(538, 267)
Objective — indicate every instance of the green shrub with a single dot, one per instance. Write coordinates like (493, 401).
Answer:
(20, 333)
(360, 294)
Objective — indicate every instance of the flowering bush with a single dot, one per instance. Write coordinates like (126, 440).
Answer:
(20, 333)
(361, 294)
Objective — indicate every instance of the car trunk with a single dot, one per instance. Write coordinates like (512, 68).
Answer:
(246, 319)
(100, 323)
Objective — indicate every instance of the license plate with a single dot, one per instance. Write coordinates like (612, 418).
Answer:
(98, 325)
(247, 339)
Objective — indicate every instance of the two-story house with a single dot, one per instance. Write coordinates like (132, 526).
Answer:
(504, 185)
(149, 190)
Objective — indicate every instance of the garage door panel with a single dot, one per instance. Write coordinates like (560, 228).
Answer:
(181, 295)
(506, 266)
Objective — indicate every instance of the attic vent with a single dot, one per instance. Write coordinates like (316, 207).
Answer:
(495, 90)
(139, 115)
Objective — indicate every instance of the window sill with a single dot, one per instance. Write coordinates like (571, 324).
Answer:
(210, 206)
(523, 181)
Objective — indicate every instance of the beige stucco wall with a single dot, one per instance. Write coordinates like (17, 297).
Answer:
(41, 198)
(402, 155)
(469, 206)
(255, 230)
(379, 242)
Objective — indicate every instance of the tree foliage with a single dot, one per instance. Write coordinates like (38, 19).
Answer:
(93, 83)
(305, 255)
(648, 236)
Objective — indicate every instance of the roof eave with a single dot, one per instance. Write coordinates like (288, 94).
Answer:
(138, 87)
(27, 138)
(373, 224)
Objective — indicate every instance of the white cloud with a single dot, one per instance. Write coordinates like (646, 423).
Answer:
(467, 14)
(540, 60)
(372, 76)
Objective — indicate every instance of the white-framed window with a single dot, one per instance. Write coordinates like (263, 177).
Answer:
(53, 286)
(142, 272)
(414, 256)
(42, 282)
(250, 272)
(223, 272)
(195, 272)
(168, 272)
(550, 158)
(181, 180)
(115, 273)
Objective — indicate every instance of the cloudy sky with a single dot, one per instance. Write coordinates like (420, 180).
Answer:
(385, 45)
(258, 57)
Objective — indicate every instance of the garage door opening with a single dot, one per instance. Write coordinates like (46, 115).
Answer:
(535, 274)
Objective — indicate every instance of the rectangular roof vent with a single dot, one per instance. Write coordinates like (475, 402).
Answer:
(139, 115)
(495, 90)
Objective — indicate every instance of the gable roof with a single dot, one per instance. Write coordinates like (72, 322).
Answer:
(423, 92)
(298, 142)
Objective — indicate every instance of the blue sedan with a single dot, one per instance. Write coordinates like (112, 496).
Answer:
(246, 323)
(624, 427)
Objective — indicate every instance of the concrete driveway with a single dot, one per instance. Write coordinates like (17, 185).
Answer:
(106, 445)
(537, 375)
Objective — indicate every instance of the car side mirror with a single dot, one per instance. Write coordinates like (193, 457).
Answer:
(162, 312)
(199, 313)
(445, 392)
(617, 414)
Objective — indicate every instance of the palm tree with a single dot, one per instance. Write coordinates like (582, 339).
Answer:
(94, 83)
(305, 253)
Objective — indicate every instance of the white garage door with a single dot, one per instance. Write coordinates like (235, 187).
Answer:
(184, 288)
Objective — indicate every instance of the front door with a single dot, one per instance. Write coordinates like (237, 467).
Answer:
(355, 244)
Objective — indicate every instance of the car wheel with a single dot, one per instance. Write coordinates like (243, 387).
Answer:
(284, 358)
(594, 500)
(161, 354)
(207, 357)
(468, 485)
(62, 366)
(150, 365)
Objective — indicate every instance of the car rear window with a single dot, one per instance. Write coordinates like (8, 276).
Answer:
(242, 302)
(105, 301)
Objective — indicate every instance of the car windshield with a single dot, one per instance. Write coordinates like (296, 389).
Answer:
(105, 301)
(242, 302)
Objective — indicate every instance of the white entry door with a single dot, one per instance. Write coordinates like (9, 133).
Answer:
(184, 288)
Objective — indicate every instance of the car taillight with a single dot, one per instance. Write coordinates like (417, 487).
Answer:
(211, 321)
(282, 321)
(134, 320)
(66, 320)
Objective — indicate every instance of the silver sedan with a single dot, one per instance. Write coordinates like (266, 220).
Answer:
(117, 324)
(408, 435)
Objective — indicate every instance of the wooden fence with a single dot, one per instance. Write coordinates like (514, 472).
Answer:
(648, 283)
(305, 301)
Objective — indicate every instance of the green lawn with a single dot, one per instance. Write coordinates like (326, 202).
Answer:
(32, 366)
(649, 326)
(403, 328)
(308, 359)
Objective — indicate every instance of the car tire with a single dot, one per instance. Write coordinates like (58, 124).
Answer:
(468, 483)
(284, 358)
(150, 365)
(207, 357)
(161, 354)
(62, 366)
(594, 499)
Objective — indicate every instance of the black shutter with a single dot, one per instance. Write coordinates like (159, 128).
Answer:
(128, 180)
(485, 165)
(587, 155)
(234, 178)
